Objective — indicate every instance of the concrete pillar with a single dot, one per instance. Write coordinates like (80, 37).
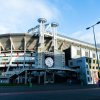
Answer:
(45, 77)
(21, 79)
(54, 31)
(26, 77)
(24, 51)
(41, 31)
(18, 79)
(53, 77)
(39, 78)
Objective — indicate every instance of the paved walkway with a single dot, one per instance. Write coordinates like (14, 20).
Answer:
(47, 87)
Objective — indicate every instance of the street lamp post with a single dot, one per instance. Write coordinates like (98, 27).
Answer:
(95, 43)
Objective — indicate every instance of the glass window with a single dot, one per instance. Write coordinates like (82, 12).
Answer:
(88, 79)
(94, 55)
(93, 61)
(86, 54)
(96, 67)
(87, 66)
(17, 62)
(86, 60)
(88, 72)
(29, 62)
(90, 61)
(93, 67)
(78, 52)
(90, 67)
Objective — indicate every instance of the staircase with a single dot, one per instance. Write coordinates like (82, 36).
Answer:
(13, 72)
(5, 76)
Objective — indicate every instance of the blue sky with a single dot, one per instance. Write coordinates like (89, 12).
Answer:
(73, 16)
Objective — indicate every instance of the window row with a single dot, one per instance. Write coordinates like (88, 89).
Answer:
(23, 62)
(87, 54)
(17, 62)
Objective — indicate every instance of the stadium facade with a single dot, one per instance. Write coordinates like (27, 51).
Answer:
(42, 55)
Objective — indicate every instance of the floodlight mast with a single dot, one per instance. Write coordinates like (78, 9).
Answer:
(54, 31)
(41, 30)
(95, 44)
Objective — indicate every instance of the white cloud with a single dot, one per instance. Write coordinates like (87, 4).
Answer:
(4, 29)
(19, 15)
(87, 35)
(16, 14)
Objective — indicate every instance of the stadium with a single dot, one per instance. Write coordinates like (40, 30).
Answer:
(43, 56)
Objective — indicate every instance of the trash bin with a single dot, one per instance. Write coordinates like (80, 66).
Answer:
(30, 84)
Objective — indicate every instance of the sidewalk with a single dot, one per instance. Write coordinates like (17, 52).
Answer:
(47, 87)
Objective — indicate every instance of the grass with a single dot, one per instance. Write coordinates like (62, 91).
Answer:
(9, 84)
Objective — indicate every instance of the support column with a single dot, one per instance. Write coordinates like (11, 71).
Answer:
(80, 51)
(41, 21)
(21, 79)
(26, 77)
(41, 31)
(10, 55)
(24, 50)
(18, 80)
(53, 76)
(39, 78)
(45, 77)
(54, 31)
